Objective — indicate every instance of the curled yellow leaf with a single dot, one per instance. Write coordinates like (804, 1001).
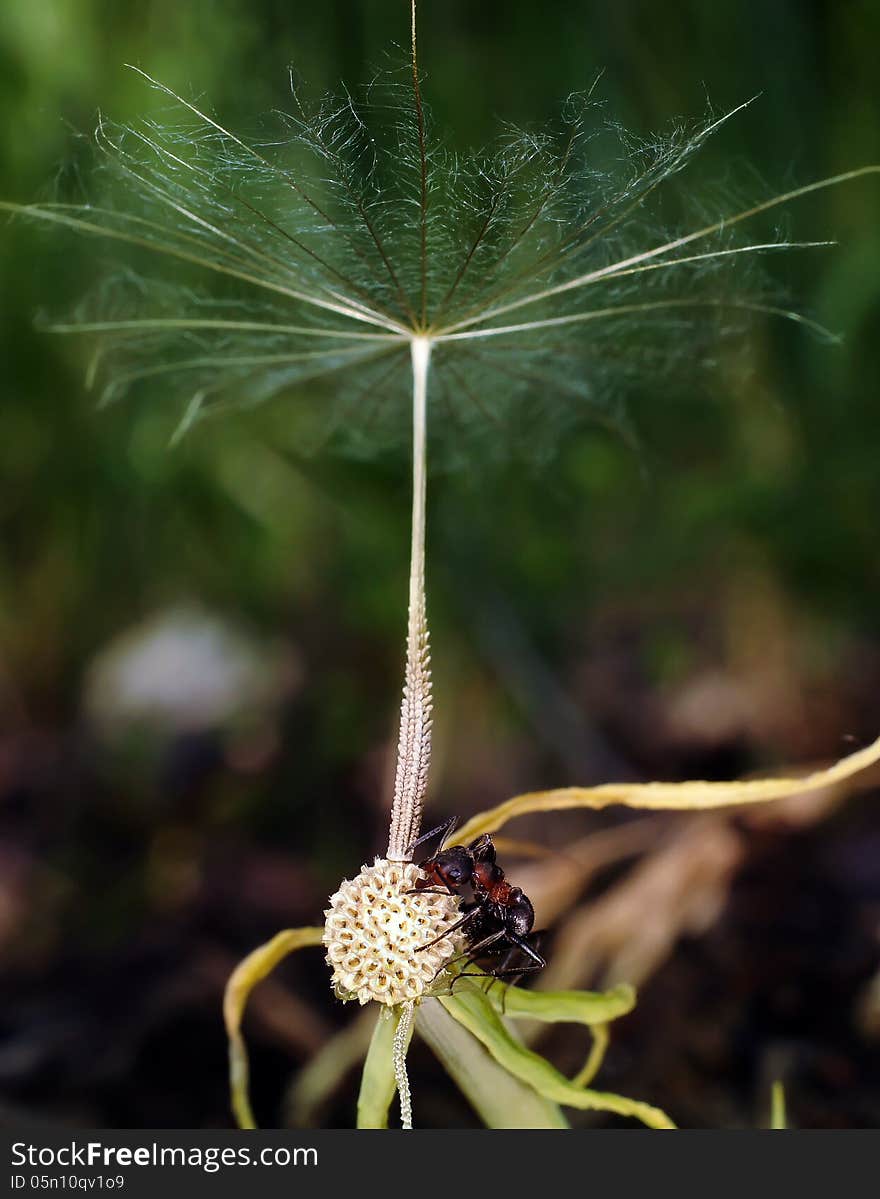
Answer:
(689, 796)
(244, 978)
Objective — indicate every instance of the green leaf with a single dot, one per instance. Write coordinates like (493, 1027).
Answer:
(378, 1084)
(500, 1098)
(320, 1077)
(560, 1007)
(595, 1058)
(593, 1008)
(472, 1009)
(778, 1117)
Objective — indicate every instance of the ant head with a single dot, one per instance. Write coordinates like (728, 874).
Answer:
(453, 867)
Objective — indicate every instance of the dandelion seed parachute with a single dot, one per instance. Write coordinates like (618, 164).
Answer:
(289, 268)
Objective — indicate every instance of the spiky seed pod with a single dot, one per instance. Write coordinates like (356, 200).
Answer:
(375, 927)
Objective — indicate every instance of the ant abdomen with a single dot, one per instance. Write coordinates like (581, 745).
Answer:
(519, 915)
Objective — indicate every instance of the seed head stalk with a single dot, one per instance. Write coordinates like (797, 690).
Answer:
(414, 742)
(401, 1042)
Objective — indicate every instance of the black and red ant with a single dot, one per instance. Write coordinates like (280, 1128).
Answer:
(499, 918)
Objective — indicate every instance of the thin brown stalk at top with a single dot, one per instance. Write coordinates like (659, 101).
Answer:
(423, 161)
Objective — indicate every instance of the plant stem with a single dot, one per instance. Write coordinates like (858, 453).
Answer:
(401, 1044)
(414, 742)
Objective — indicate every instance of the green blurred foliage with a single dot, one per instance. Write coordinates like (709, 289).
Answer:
(566, 603)
(775, 469)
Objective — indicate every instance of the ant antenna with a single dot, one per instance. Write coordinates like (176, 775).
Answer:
(445, 828)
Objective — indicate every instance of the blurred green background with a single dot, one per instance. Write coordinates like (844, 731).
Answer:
(201, 648)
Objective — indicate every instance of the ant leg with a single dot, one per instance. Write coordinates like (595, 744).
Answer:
(445, 890)
(516, 975)
(446, 828)
(472, 953)
(521, 944)
(501, 972)
(532, 948)
(453, 928)
(483, 848)
(497, 975)
(475, 951)
(467, 955)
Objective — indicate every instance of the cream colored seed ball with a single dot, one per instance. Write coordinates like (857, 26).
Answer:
(375, 926)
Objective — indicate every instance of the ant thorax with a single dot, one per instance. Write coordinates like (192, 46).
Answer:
(496, 918)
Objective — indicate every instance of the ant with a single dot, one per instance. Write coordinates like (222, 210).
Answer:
(498, 918)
